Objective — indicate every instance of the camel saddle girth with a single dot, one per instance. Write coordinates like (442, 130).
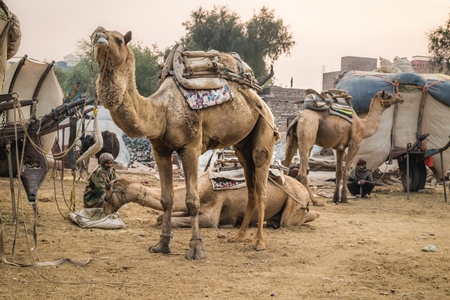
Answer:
(204, 70)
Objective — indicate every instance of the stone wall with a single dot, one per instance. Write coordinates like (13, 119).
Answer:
(284, 104)
(358, 63)
(348, 63)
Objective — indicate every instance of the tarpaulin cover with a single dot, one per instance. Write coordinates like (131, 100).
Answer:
(362, 86)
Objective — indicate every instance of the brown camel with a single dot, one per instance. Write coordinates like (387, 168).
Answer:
(285, 208)
(312, 127)
(171, 125)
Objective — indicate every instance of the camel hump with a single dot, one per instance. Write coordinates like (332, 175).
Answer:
(207, 69)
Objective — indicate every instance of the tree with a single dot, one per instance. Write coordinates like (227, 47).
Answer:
(439, 47)
(147, 71)
(218, 29)
(84, 72)
(259, 42)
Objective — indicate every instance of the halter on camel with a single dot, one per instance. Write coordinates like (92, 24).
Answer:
(123, 199)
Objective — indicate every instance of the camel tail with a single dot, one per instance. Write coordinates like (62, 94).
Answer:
(276, 134)
(291, 143)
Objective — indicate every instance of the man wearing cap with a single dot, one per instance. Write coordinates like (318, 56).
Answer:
(102, 175)
(361, 180)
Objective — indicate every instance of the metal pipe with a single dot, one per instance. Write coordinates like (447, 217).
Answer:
(407, 171)
(443, 176)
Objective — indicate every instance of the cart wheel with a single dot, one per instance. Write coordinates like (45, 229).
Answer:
(414, 178)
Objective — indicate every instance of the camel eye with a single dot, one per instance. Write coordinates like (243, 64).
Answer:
(118, 41)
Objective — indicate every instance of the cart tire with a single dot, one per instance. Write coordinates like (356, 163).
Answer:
(422, 175)
(414, 176)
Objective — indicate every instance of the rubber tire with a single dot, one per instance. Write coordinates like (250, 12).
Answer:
(414, 178)
(422, 175)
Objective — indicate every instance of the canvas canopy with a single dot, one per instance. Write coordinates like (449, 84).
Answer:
(50, 95)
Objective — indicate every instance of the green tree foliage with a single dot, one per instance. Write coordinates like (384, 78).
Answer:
(259, 42)
(439, 47)
(86, 71)
(218, 29)
(147, 71)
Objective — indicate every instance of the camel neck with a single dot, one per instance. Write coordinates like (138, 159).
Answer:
(151, 197)
(372, 120)
(130, 111)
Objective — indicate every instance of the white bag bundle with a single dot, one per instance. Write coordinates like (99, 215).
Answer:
(94, 218)
(403, 64)
(387, 67)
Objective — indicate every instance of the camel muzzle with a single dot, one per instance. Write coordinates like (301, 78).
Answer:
(98, 37)
(102, 41)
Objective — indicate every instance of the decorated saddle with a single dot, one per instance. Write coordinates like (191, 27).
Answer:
(225, 171)
(202, 76)
(330, 100)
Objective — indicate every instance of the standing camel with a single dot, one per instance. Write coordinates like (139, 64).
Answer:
(245, 122)
(320, 128)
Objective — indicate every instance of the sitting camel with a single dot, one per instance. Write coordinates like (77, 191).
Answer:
(169, 123)
(320, 127)
(287, 205)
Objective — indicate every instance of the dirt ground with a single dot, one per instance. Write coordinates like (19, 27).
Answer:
(369, 249)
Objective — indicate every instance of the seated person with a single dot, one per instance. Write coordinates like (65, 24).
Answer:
(360, 181)
(102, 175)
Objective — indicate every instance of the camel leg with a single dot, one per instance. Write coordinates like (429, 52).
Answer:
(256, 171)
(351, 153)
(302, 175)
(189, 159)
(305, 142)
(339, 156)
(164, 163)
(182, 219)
(249, 173)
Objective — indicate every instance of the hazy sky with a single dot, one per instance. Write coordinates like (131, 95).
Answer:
(324, 30)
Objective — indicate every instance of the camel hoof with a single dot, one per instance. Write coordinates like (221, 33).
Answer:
(159, 249)
(196, 250)
(259, 246)
(345, 202)
(236, 239)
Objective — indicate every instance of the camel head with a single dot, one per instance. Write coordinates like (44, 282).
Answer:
(116, 66)
(387, 100)
(110, 46)
(115, 195)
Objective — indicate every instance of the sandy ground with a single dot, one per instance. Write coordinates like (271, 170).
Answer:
(369, 249)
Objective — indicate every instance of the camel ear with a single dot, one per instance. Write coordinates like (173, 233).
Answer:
(127, 37)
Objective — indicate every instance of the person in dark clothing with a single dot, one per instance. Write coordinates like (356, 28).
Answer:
(102, 175)
(360, 181)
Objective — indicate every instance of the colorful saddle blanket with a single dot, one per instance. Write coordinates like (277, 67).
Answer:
(198, 99)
